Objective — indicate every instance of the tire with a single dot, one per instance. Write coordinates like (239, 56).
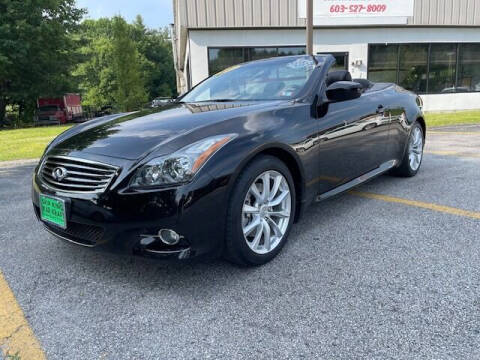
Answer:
(249, 213)
(416, 143)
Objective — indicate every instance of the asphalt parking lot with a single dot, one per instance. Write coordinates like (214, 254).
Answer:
(389, 272)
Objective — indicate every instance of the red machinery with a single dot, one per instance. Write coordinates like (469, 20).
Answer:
(60, 110)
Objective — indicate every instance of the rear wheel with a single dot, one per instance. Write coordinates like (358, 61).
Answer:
(413, 157)
(261, 212)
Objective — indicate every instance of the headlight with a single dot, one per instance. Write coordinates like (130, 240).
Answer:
(181, 166)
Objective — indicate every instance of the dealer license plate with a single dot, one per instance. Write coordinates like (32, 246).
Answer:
(52, 210)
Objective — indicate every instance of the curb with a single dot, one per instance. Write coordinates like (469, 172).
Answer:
(15, 163)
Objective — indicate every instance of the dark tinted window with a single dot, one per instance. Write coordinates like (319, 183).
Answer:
(443, 60)
(48, 108)
(427, 68)
(413, 65)
(383, 63)
(261, 53)
(341, 61)
(220, 59)
(288, 51)
(469, 67)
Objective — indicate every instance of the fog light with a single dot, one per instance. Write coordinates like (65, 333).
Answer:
(169, 237)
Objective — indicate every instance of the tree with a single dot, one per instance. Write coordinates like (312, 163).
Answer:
(37, 51)
(161, 74)
(130, 91)
(157, 66)
(97, 75)
(107, 58)
(94, 74)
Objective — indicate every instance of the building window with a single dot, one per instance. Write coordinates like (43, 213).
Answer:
(413, 66)
(383, 63)
(291, 50)
(427, 68)
(469, 68)
(443, 64)
(220, 59)
(260, 53)
(341, 60)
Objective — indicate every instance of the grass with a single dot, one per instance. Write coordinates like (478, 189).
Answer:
(27, 143)
(13, 357)
(30, 143)
(452, 118)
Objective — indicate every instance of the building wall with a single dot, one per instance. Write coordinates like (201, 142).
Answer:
(284, 13)
(354, 41)
(451, 102)
(276, 23)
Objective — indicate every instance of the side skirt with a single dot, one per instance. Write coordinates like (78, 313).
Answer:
(358, 181)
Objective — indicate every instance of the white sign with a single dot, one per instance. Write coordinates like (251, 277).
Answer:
(357, 8)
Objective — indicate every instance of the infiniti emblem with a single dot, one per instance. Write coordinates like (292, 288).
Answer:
(59, 173)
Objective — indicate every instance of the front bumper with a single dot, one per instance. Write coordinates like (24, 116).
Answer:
(128, 223)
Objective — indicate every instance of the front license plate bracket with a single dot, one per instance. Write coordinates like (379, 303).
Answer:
(52, 211)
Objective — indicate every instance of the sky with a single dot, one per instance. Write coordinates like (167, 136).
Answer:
(155, 13)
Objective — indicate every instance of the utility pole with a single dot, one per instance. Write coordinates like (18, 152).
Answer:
(309, 27)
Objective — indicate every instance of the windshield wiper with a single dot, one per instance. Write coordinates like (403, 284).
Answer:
(218, 100)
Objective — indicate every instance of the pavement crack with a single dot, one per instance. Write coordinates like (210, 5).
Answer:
(4, 341)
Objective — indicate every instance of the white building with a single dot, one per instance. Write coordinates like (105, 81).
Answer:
(432, 48)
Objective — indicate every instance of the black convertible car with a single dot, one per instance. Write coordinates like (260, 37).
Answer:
(230, 166)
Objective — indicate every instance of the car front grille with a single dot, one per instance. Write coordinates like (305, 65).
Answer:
(78, 175)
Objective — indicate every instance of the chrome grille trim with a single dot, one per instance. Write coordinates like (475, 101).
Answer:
(84, 176)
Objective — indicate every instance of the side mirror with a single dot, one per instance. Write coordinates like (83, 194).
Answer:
(343, 91)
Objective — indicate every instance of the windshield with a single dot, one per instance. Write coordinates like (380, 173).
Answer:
(48, 108)
(262, 80)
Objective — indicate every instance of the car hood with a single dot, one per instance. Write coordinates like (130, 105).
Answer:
(132, 136)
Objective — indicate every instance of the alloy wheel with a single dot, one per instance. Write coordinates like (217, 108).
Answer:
(415, 149)
(266, 212)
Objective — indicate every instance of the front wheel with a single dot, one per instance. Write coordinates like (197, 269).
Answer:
(412, 160)
(261, 212)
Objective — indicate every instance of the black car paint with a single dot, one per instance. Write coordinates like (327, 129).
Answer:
(326, 145)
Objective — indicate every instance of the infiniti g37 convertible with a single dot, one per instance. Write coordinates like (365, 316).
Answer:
(229, 167)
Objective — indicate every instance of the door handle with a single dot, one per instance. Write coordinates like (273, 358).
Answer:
(380, 109)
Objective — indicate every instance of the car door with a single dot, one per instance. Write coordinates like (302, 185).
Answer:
(352, 139)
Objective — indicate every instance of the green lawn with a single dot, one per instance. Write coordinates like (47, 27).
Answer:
(460, 117)
(27, 143)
